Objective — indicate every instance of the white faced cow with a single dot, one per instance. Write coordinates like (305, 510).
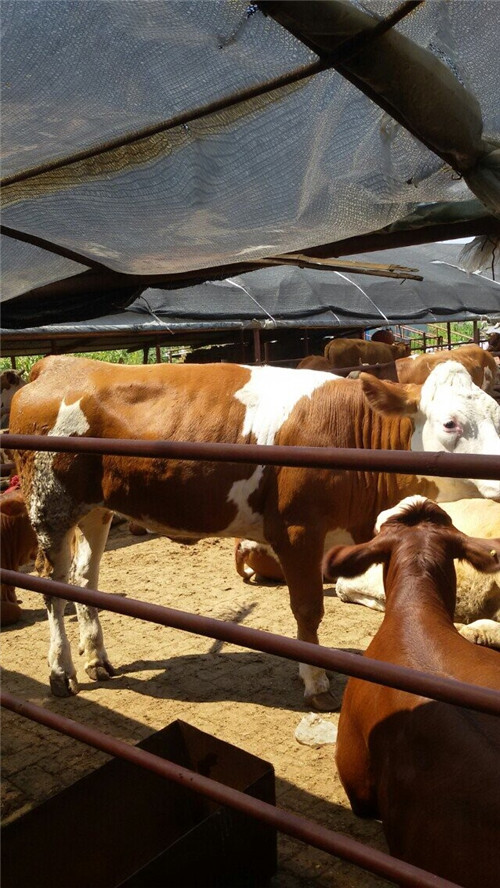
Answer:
(296, 510)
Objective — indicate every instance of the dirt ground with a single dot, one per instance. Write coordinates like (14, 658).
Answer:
(252, 700)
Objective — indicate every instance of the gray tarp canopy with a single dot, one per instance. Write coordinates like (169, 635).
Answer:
(285, 298)
(169, 143)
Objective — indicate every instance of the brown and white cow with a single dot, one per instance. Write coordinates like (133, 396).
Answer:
(428, 770)
(295, 510)
(479, 362)
(477, 605)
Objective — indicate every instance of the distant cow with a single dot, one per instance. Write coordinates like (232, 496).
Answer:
(11, 381)
(18, 547)
(478, 596)
(352, 352)
(386, 336)
(315, 362)
(494, 342)
(428, 770)
(479, 362)
(319, 362)
(295, 510)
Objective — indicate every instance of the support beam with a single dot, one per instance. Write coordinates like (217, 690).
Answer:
(408, 81)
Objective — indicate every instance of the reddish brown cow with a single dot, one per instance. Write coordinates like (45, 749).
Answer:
(428, 770)
(494, 342)
(353, 352)
(386, 336)
(479, 362)
(295, 510)
(18, 547)
(315, 362)
(319, 362)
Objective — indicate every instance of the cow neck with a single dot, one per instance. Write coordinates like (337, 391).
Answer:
(381, 432)
(421, 580)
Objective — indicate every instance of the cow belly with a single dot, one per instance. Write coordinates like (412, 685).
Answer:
(187, 505)
(182, 535)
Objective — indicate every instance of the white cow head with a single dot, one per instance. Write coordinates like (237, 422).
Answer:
(450, 413)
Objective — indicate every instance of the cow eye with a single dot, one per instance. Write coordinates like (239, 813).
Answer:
(450, 425)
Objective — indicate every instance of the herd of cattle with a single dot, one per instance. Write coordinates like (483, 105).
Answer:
(427, 770)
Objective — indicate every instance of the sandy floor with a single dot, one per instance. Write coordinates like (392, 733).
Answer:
(251, 700)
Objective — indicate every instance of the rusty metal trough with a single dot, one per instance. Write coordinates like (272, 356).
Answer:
(136, 830)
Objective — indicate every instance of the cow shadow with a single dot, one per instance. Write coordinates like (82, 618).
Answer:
(41, 745)
(121, 538)
(29, 616)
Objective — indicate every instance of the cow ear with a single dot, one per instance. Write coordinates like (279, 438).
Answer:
(390, 397)
(483, 555)
(352, 561)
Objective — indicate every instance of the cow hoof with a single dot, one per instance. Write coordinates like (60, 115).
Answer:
(63, 686)
(324, 702)
(100, 671)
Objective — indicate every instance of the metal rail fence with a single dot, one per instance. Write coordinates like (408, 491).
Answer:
(432, 686)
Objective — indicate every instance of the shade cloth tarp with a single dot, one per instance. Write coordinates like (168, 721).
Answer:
(287, 297)
(306, 164)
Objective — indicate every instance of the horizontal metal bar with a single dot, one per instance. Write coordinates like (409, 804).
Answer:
(447, 690)
(291, 824)
(448, 465)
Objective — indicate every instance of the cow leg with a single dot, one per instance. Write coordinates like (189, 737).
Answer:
(57, 564)
(301, 557)
(485, 632)
(353, 764)
(94, 529)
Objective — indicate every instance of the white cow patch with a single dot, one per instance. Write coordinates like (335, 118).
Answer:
(71, 420)
(405, 505)
(247, 522)
(270, 398)
(46, 488)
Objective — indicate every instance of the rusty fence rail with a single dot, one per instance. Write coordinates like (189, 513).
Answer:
(432, 686)
(314, 834)
(449, 465)
(437, 687)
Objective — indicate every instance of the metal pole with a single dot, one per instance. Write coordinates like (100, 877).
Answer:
(291, 824)
(447, 465)
(257, 349)
(447, 690)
